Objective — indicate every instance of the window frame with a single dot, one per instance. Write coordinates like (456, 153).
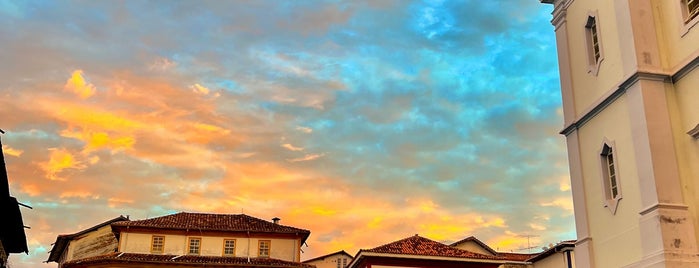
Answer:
(189, 245)
(611, 183)
(162, 244)
(686, 19)
(259, 248)
(688, 13)
(593, 42)
(235, 244)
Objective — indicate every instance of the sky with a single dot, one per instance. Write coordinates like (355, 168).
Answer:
(364, 122)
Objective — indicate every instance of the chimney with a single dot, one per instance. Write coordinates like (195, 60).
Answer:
(276, 220)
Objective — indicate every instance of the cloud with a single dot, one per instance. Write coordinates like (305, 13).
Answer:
(199, 89)
(307, 157)
(291, 147)
(60, 160)
(77, 84)
(12, 152)
(438, 118)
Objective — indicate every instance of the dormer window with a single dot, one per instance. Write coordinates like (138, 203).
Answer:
(610, 176)
(594, 43)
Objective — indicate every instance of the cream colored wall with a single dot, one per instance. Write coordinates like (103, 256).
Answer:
(662, 45)
(587, 88)
(283, 249)
(330, 261)
(677, 42)
(684, 99)
(557, 260)
(613, 235)
(473, 247)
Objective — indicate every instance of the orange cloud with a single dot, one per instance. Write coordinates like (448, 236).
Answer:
(10, 151)
(98, 140)
(60, 160)
(77, 84)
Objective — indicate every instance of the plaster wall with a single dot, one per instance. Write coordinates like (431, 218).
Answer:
(283, 249)
(683, 99)
(678, 40)
(331, 261)
(589, 88)
(611, 233)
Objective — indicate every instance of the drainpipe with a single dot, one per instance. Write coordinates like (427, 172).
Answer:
(570, 265)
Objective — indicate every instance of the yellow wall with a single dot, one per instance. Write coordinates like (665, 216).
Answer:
(678, 43)
(283, 249)
(684, 99)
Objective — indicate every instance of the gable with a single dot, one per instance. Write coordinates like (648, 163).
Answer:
(474, 247)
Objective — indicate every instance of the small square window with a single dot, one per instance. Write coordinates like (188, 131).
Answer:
(157, 244)
(194, 246)
(264, 248)
(229, 247)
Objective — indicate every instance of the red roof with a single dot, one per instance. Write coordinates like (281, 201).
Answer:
(517, 256)
(417, 245)
(212, 222)
(184, 260)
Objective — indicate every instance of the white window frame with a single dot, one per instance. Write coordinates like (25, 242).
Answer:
(609, 167)
(592, 32)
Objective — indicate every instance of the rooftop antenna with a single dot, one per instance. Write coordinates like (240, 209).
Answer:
(529, 246)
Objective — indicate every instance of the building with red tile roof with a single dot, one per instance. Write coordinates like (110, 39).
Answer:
(120, 259)
(195, 240)
(417, 251)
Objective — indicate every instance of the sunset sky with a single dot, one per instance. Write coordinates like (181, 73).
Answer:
(364, 122)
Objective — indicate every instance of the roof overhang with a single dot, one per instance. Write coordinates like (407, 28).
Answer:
(365, 254)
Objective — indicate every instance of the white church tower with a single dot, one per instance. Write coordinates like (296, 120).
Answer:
(630, 86)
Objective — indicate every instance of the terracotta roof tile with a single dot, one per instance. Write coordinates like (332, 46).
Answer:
(212, 222)
(210, 261)
(417, 245)
(516, 256)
